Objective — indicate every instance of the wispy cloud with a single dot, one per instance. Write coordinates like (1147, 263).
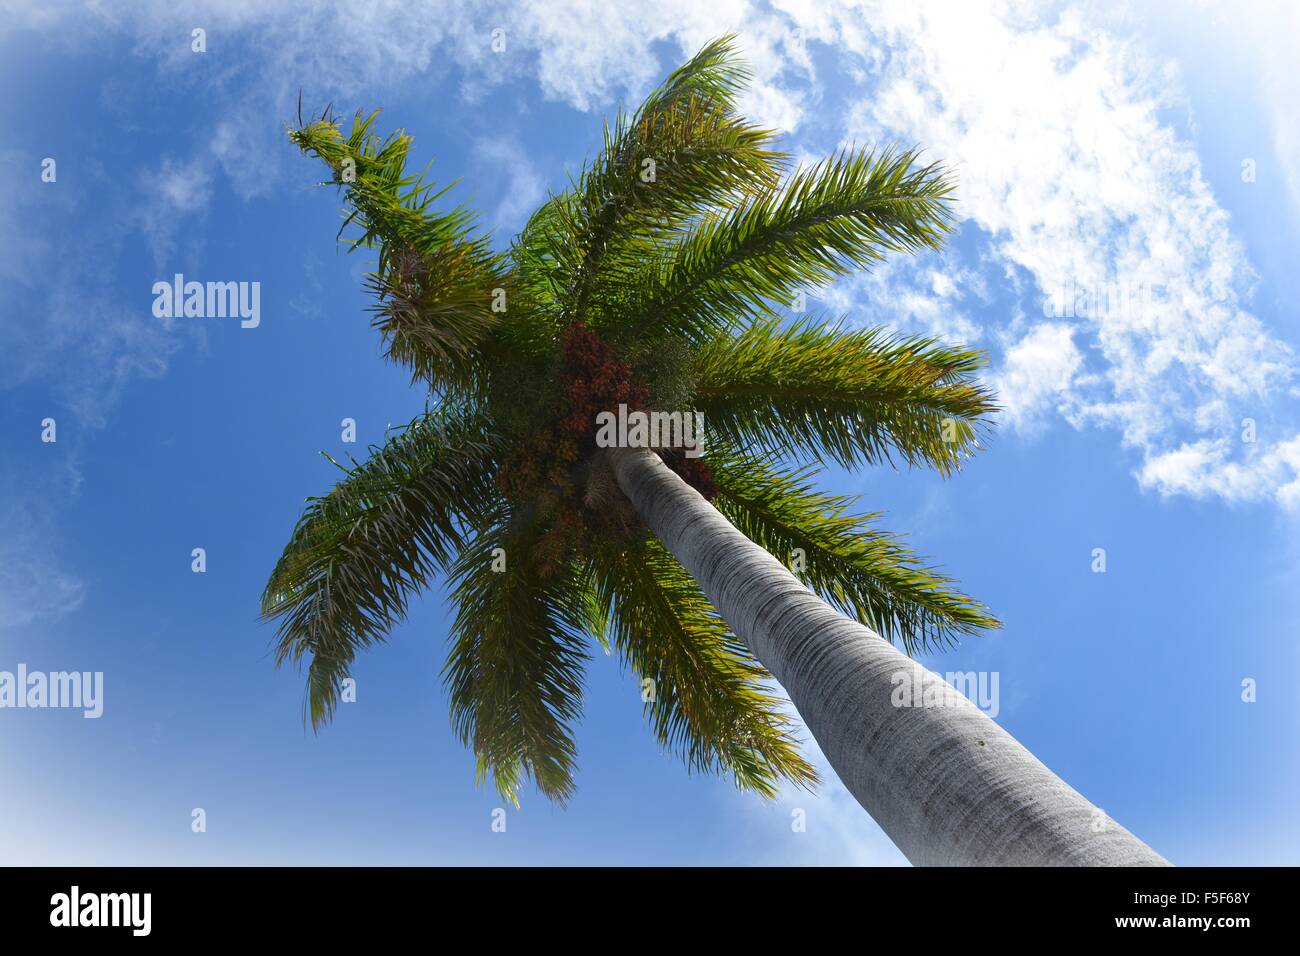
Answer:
(799, 828)
(73, 330)
(1037, 374)
(927, 295)
(35, 582)
(524, 187)
(1054, 128)
(170, 194)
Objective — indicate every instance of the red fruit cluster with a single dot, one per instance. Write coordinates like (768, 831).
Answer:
(598, 382)
(694, 471)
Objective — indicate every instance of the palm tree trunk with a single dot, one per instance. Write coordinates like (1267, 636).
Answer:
(947, 784)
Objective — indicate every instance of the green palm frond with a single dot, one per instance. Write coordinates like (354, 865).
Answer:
(435, 280)
(702, 154)
(849, 396)
(844, 213)
(868, 574)
(700, 157)
(709, 703)
(544, 255)
(358, 553)
(682, 151)
(715, 74)
(516, 664)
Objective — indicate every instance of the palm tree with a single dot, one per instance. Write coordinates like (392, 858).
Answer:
(661, 281)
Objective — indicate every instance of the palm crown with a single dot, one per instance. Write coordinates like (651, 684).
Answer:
(661, 279)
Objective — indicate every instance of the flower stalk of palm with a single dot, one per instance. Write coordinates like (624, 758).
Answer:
(661, 280)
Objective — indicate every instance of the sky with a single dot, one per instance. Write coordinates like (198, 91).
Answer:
(1129, 208)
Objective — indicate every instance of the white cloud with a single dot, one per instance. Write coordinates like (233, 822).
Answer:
(1208, 467)
(1037, 373)
(1262, 39)
(1054, 129)
(171, 193)
(837, 831)
(34, 584)
(799, 828)
(922, 296)
(184, 187)
(524, 186)
(77, 336)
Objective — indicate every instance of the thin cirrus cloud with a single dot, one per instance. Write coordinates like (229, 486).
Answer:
(170, 193)
(524, 188)
(35, 583)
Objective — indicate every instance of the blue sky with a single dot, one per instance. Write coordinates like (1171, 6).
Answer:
(1147, 148)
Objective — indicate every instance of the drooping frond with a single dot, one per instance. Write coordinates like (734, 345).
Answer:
(359, 553)
(515, 668)
(849, 396)
(435, 280)
(868, 574)
(845, 213)
(706, 701)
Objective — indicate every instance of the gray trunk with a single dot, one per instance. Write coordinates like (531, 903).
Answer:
(944, 781)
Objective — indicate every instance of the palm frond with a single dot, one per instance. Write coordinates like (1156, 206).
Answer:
(844, 213)
(868, 574)
(709, 702)
(435, 280)
(515, 668)
(849, 396)
(358, 554)
(682, 151)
